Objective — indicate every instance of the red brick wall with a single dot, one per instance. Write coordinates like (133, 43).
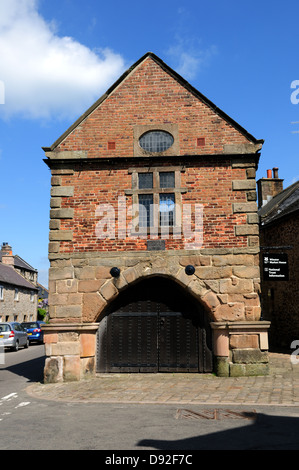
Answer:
(209, 185)
(148, 96)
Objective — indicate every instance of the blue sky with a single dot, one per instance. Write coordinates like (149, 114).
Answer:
(58, 57)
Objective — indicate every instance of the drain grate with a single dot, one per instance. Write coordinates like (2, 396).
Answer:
(215, 413)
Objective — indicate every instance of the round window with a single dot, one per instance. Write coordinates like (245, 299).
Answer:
(156, 141)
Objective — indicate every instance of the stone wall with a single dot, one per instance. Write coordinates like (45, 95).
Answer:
(23, 309)
(225, 282)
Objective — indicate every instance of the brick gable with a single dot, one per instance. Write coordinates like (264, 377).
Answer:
(151, 93)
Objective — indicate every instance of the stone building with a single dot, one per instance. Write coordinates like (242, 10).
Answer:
(154, 236)
(279, 226)
(18, 287)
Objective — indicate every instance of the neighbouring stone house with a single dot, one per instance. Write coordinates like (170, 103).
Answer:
(18, 287)
(279, 228)
(154, 236)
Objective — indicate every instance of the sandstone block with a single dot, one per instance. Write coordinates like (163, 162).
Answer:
(93, 304)
(252, 218)
(61, 273)
(71, 311)
(50, 337)
(54, 247)
(195, 260)
(66, 286)
(67, 336)
(130, 275)
(249, 356)
(252, 313)
(108, 291)
(244, 341)
(250, 173)
(91, 285)
(236, 286)
(56, 181)
(62, 191)
(54, 224)
(53, 370)
(71, 368)
(210, 272)
(88, 366)
(221, 366)
(248, 272)
(239, 207)
(197, 287)
(85, 272)
(251, 195)
(211, 300)
(66, 213)
(253, 241)
(61, 235)
(55, 202)
(246, 229)
(69, 348)
(87, 344)
(231, 260)
(239, 185)
(102, 272)
(230, 312)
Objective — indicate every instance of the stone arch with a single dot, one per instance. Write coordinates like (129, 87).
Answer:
(112, 287)
(154, 324)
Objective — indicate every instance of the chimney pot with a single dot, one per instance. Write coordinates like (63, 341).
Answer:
(269, 173)
(275, 172)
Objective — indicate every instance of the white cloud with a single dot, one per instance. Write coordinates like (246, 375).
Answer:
(45, 74)
(190, 57)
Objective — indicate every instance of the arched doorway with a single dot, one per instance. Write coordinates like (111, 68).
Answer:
(154, 326)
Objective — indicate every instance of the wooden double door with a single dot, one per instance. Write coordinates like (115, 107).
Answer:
(154, 327)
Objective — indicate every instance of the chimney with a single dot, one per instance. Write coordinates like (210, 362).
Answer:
(269, 187)
(7, 256)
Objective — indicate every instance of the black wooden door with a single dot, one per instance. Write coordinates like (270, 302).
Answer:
(148, 335)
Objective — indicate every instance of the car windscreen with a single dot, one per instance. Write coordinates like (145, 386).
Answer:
(30, 325)
(4, 328)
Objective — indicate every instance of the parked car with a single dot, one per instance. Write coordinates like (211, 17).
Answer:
(13, 335)
(34, 331)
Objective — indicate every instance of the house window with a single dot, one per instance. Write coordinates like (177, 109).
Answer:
(31, 296)
(157, 193)
(16, 297)
(1, 292)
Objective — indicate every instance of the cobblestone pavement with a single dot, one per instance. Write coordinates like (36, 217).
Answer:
(280, 387)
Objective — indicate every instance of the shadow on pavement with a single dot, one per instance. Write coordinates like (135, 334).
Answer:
(32, 370)
(265, 433)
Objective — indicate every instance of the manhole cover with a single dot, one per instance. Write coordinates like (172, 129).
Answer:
(215, 413)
